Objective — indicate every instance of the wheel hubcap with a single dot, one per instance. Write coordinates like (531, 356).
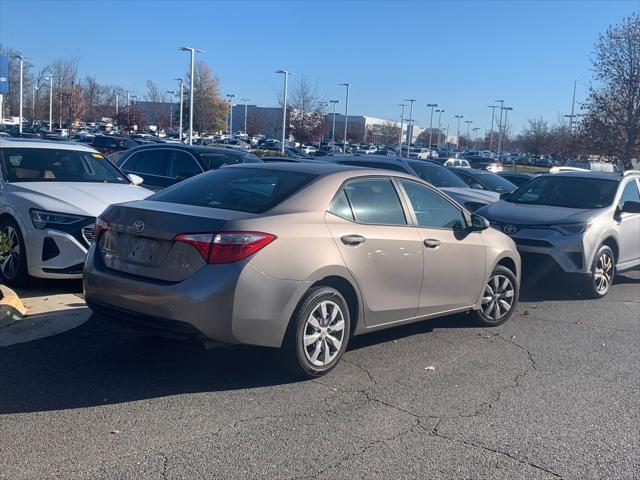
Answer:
(603, 274)
(10, 264)
(498, 297)
(323, 333)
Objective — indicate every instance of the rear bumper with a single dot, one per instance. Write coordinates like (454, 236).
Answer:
(231, 303)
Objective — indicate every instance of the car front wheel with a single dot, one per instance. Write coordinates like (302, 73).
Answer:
(13, 267)
(499, 298)
(603, 271)
(318, 333)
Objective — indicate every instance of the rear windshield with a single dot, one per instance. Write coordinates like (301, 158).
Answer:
(239, 189)
(437, 176)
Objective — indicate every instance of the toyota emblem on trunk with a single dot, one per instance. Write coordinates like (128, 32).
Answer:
(138, 226)
(508, 229)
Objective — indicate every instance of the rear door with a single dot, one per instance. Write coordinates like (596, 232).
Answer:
(454, 258)
(379, 246)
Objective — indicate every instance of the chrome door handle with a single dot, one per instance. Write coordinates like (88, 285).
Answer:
(432, 243)
(353, 240)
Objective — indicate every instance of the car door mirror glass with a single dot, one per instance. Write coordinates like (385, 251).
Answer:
(630, 207)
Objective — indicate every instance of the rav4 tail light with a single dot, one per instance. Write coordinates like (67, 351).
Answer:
(226, 247)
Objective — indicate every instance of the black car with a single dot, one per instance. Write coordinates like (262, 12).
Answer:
(163, 164)
(291, 160)
(107, 144)
(483, 180)
(518, 179)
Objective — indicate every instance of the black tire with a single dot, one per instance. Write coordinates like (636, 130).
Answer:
(593, 286)
(298, 358)
(486, 316)
(14, 274)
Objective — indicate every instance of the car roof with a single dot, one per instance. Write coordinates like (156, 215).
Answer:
(189, 148)
(368, 158)
(471, 171)
(10, 142)
(589, 174)
(320, 168)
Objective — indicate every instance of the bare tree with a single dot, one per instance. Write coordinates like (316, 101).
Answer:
(306, 116)
(157, 99)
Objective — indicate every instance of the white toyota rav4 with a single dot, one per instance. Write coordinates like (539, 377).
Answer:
(50, 196)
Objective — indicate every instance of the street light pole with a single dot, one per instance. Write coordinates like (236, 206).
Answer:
(493, 111)
(33, 104)
(573, 105)
(346, 114)
(500, 126)
(231, 96)
(50, 78)
(475, 137)
(403, 105)
(504, 128)
(172, 93)
(192, 51)
(458, 136)
(439, 112)
(181, 104)
(286, 74)
(333, 126)
(410, 125)
(245, 100)
(468, 122)
(432, 105)
(21, 57)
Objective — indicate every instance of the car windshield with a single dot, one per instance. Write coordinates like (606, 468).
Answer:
(566, 191)
(437, 176)
(495, 183)
(241, 189)
(58, 165)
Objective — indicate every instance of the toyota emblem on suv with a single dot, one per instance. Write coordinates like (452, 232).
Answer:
(138, 226)
(508, 229)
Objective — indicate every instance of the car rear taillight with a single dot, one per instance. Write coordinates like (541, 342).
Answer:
(226, 247)
(101, 225)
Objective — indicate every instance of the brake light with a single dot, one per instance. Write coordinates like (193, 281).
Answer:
(226, 247)
(101, 225)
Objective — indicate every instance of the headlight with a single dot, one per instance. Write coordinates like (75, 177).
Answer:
(41, 219)
(572, 228)
(473, 206)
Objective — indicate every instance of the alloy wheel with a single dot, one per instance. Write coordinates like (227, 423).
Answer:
(603, 274)
(498, 297)
(323, 333)
(11, 263)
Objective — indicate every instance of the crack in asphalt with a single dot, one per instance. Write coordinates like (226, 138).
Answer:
(165, 462)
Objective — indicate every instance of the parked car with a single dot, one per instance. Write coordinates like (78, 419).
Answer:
(483, 180)
(162, 165)
(518, 179)
(107, 144)
(456, 162)
(586, 224)
(52, 193)
(225, 257)
(428, 171)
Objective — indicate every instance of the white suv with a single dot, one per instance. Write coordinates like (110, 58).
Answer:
(50, 196)
(585, 223)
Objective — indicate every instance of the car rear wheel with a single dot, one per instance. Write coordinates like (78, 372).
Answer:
(603, 271)
(13, 267)
(318, 333)
(499, 298)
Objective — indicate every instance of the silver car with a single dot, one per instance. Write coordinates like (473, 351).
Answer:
(585, 223)
(300, 256)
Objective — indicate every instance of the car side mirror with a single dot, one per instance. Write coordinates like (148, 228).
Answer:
(630, 207)
(478, 223)
(505, 195)
(135, 179)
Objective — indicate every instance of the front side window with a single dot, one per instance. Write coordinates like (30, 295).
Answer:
(375, 201)
(630, 193)
(432, 210)
(151, 162)
(53, 165)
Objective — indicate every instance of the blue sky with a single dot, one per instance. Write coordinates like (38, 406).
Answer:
(460, 54)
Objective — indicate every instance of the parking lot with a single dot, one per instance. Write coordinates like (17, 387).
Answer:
(553, 393)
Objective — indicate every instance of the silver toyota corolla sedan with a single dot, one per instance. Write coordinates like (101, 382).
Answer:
(299, 256)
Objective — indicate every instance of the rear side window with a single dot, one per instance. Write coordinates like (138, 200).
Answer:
(151, 162)
(240, 189)
(375, 201)
(182, 165)
(341, 207)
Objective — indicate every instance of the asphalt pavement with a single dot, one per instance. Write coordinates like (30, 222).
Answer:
(553, 393)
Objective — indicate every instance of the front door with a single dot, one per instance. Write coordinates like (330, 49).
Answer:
(629, 226)
(379, 247)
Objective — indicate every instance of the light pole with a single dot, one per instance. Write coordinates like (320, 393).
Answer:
(346, 114)
(403, 105)
(50, 78)
(432, 105)
(475, 136)
(181, 104)
(128, 98)
(501, 102)
(192, 51)
(504, 129)
(333, 126)
(171, 93)
(245, 100)
(117, 95)
(493, 111)
(21, 57)
(33, 104)
(468, 122)
(458, 137)
(573, 105)
(286, 74)
(440, 111)
(409, 126)
(231, 96)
